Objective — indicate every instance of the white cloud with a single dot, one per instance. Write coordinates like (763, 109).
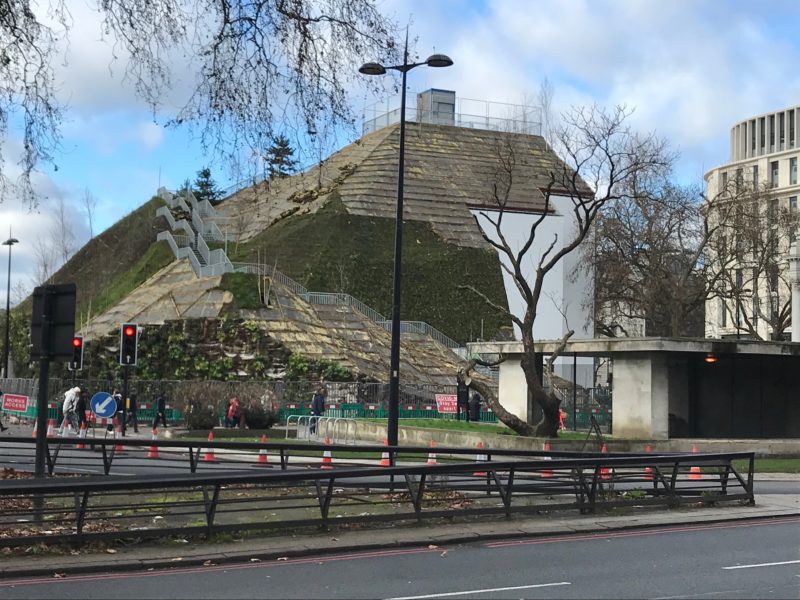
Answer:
(150, 134)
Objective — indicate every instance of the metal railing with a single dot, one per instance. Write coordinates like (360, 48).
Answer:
(337, 299)
(91, 508)
(335, 429)
(422, 328)
(511, 124)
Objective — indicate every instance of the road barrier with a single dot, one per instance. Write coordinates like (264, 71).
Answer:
(79, 509)
(337, 429)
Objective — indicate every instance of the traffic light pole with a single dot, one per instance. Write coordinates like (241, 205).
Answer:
(124, 399)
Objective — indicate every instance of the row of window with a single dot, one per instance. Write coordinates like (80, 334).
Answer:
(768, 133)
(774, 173)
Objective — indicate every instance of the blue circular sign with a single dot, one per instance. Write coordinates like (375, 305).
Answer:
(103, 405)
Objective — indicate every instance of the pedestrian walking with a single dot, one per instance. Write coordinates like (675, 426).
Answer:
(81, 406)
(133, 408)
(233, 413)
(160, 411)
(118, 399)
(68, 407)
(317, 408)
(475, 407)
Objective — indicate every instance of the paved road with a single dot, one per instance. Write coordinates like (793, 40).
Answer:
(745, 559)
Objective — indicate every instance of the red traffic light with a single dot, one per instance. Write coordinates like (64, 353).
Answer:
(77, 342)
(129, 331)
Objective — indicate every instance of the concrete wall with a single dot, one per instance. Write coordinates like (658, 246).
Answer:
(513, 389)
(641, 396)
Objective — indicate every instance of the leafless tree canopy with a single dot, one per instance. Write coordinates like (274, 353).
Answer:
(601, 157)
(259, 64)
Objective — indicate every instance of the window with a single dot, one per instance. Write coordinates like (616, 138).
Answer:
(793, 171)
(773, 173)
(723, 311)
(753, 135)
(772, 210)
(792, 204)
(771, 132)
(791, 128)
(755, 177)
(762, 137)
(781, 130)
(739, 279)
(724, 182)
(739, 180)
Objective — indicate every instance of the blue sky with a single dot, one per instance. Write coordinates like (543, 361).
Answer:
(690, 69)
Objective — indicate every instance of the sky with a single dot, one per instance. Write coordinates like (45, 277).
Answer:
(689, 69)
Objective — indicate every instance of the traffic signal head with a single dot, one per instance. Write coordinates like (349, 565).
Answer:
(128, 341)
(76, 364)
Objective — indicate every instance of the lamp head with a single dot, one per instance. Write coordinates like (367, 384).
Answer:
(11, 242)
(439, 60)
(372, 68)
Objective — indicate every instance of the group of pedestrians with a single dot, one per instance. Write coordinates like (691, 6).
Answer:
(76, 404)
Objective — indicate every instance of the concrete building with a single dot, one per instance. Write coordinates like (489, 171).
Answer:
(764, 152)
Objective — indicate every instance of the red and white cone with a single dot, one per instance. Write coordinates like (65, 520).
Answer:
(694, 472)
(262, 453)
(480, 457)
(209, 455)
(153, 452)
(432, 454)
(605, 472)
(648, 471)
(385, 460)
(118, 436)
(327, 459)
(81, 436)
(547, 472)
(35, 428)
(51, 426)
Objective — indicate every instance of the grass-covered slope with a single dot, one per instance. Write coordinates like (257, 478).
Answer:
(334, 251)
(116, 261)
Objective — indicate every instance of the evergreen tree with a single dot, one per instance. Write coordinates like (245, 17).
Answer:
(280, 158)
(205, 188)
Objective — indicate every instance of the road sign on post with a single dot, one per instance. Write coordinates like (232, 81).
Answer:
(103, 405)
(128, 342)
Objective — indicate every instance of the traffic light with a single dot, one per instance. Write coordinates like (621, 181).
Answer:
(128, 340)
(76, 364)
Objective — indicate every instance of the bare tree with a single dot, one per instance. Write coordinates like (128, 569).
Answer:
(46, 257)
(260, 65)
(89, 203)
(747, 255)
(600, 157)
(545, 99)
(62, 231)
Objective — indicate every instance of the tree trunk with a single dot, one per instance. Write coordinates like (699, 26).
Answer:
(511, 420)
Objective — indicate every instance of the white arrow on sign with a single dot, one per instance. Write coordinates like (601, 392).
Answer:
(102, 406)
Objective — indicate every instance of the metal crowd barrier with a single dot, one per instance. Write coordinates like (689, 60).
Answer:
(78, 509)
(336, 429)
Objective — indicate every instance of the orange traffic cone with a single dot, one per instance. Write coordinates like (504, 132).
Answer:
(605, 472)
(385, 460)
(81, 436)
(479, 458)
(327, 459)
(432, 454)
(209, 455)
(648, 471)
(694, 472)
(262, 453)
(35, 428)
(547, 472)
(118, 436)
(51, 428)
(153, 452)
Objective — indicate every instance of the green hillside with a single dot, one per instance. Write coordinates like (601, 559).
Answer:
(333, 251)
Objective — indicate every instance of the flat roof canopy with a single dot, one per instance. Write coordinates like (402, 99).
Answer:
(606, 346)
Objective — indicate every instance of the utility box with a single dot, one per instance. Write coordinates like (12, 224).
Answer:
(436, 106)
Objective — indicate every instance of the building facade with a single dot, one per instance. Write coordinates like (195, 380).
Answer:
(754, 198)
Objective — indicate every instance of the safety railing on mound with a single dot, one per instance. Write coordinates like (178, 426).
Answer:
(330, 494)
(337, 430)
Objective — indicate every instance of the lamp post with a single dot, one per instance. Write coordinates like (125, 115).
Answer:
(9, 242)
(435, 60)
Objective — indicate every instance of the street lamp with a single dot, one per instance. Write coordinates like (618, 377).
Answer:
(9, 242)
(435, 60)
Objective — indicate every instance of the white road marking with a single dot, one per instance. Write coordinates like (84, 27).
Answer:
(485, 591)
(772, 564)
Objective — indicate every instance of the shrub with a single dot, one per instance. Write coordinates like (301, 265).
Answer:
(201, 416)
(257, 417)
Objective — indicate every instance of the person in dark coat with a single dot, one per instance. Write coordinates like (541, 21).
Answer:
(133, 409)
(80, 408)
(475, 407)
(160, 412)
(317, 408)
(2, 427)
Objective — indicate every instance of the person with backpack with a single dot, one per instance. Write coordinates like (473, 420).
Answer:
(68, 407)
